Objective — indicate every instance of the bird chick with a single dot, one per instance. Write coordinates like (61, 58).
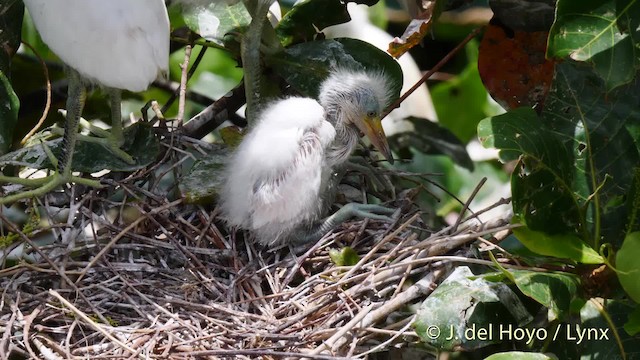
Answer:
(280, 179)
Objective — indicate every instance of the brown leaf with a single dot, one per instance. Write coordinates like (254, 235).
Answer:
(424, 16)
(513, 66)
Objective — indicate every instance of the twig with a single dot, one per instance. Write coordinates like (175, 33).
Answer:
(433, 70)
(47, 105)
(454, 228)
(90, 322)
(183, 84)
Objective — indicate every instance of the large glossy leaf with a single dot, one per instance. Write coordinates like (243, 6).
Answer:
(541, 184)
(215, 20)
(578, 155)
(597, 128)
(604, 33)
(140, 142)
(304, 66)
(454, 314)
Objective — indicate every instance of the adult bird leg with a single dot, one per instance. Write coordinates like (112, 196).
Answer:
(62, 175)
(250, 52)
(113, 140)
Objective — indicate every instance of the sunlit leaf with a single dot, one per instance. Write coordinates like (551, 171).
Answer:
(344, 257)
(566, 246)
(215, 20)
(628, 266)
(603, 33)
(554, 291)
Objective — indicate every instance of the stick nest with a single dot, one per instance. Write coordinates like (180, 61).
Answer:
(148, 276)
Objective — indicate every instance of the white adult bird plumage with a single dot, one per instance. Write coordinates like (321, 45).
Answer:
(279, 179)
(118, 44)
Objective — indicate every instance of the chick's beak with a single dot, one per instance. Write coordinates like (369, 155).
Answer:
(372, 128)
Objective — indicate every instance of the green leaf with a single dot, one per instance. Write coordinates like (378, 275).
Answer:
(205, 179)
(565, 246)
(215, 20)
(567, 179)
(140, 142)
(518, 355)
(603, 33)
(464, 306)
(304, 66)
(554, 291)
(308, 17)
(541, 184)
(628, 266)
(462, 101)
(432, 139)
(632, 326)
(344, 257)
(596, 128)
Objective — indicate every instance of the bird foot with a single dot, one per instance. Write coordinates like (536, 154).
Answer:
(111, 141)
(42, 185)
(363, 211)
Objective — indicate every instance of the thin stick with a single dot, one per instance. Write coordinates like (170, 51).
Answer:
(466, 205)
(433, 70)
(91, 323)
(47, 105)
(183, 83)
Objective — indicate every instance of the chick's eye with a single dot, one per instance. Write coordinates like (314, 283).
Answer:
(371, 114)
